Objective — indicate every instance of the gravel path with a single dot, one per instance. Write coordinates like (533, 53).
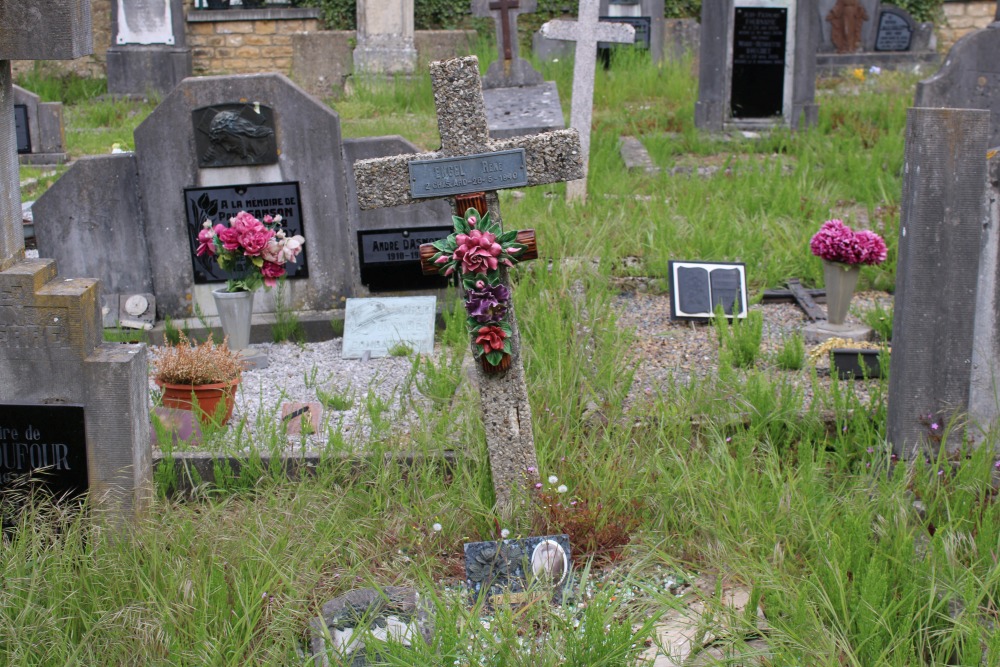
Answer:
(663, 349)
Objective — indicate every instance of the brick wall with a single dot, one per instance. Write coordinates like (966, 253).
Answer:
(961, 18)
(240, 41)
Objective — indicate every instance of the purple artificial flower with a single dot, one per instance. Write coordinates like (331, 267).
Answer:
(487, 303)
(836, 242)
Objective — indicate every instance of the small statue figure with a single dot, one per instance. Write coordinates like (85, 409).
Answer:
(846, 19)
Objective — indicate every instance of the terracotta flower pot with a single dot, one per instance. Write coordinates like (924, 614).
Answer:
(499, 368)
(203, 398)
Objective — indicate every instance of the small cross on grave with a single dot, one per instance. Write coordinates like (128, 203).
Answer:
(586, 31)
(472, 167)
(504, 13)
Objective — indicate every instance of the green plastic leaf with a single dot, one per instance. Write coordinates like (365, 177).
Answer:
(506, 346)
(494, 357)
(507, 237)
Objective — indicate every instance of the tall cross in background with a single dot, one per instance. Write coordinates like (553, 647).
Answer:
(586, 31)
(504, 13)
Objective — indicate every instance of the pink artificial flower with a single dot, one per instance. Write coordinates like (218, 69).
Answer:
(255, 239)
(836, 242)
(206, 242)
(477, 251)
(230, 237)
(291, 247)
(491, 338)
(272, 251)
(271, 273)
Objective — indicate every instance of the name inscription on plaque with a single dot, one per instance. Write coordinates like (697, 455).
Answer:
(471, 173)
(46, 443)
(894, 33)
(758, 79)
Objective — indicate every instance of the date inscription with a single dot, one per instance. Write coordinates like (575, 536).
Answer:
(445, 177)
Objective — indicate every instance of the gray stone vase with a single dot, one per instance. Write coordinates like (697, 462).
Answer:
(840, 279)
(235, 313)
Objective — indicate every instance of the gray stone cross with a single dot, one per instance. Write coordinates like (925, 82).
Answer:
(549, 158)
(586, 31)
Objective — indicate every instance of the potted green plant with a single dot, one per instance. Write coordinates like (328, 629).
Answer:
(198, 377)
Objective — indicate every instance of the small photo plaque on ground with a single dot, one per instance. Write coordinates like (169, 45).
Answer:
(505, 570)
(218, 204)
(390, 258)
(472, 173)
(378, 325)
(696, 288)
(46, 444)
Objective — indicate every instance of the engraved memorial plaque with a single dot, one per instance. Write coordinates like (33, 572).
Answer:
(376, 325)
(390, 258)
(472, 173)
(503, 571)
(21, 128)
(758, 74)
(894, 33)
(234, 135)
(696, 288)
(43, 444)
(218, 204)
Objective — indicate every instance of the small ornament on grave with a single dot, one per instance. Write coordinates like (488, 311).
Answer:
(254, 252)
(477, 249)
(843, 251)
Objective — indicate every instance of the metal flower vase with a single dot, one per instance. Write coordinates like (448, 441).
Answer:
(235, 312)
(840, 279)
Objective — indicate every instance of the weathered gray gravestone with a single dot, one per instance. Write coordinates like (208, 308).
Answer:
(148, 52)
(969, 78)
(586, 31)
(940, 233)
(646, 16)
(757, 64)
(984, 390)
(44, 127)
(50, 329)
(549, 157)
(385, 37)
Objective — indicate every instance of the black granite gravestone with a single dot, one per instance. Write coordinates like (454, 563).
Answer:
(218, 204)
(43, 445)
(697, 288)
(228, 135)
(758, 71)
(21, 130)
(894, 33)
(390, 258)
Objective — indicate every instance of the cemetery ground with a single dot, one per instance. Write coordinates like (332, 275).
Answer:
(678, 475)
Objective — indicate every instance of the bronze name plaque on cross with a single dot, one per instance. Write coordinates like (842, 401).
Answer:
(448, 176)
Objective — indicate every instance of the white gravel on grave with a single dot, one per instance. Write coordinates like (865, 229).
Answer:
(296, 371)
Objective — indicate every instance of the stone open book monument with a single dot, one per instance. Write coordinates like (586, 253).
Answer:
(468, 163)
(67, 400)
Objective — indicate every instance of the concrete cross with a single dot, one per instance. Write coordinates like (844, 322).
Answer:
(586, 31)
(549, 158)
(504, 13)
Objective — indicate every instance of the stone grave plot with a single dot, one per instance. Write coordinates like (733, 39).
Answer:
(518, 100)
(862, 33)
(214, 146)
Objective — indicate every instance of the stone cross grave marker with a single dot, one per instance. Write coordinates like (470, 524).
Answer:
(586, 31)
(52, 362)
(465, 146)
(510, 69)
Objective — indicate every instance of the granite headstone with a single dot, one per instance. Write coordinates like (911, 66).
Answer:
(44, 136)
(148, 53)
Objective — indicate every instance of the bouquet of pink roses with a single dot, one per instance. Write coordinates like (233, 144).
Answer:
(254, 252)
(836, 242)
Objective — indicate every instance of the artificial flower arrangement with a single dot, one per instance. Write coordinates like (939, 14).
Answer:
(477, 249)
(254, 251)
(836, 242)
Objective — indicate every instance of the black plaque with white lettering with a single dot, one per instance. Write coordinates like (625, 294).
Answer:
(894, 33)
(449, 176)
(759, 44)
(231, 135)
(21, 128)
(390, 258)
(219, 204)
(696, 288)
(43, 446)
